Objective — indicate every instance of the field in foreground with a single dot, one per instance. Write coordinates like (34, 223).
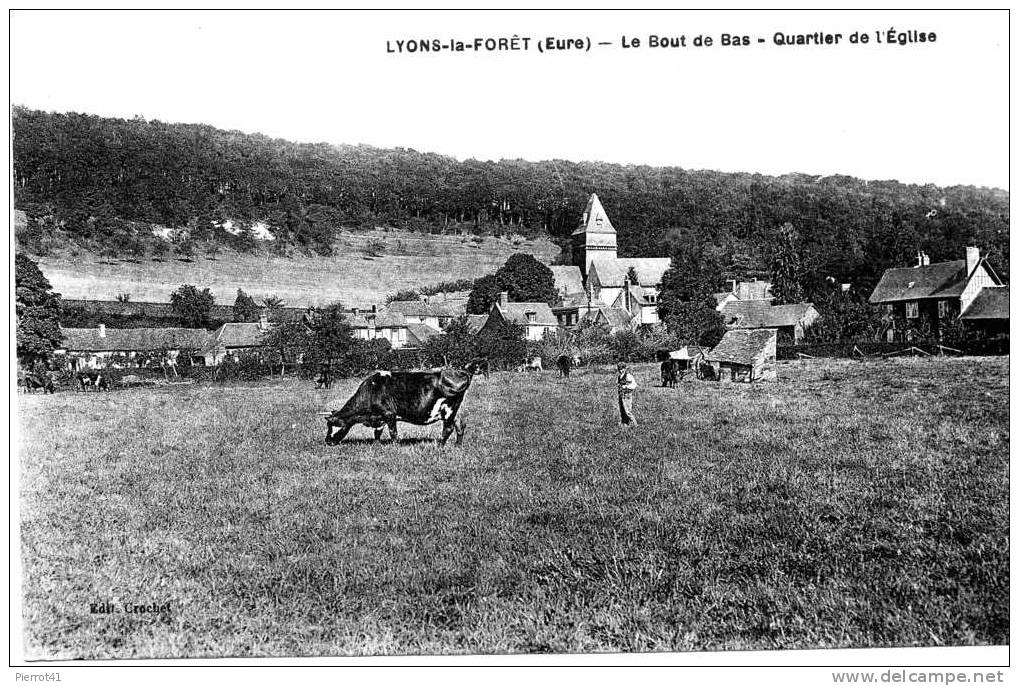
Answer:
(849, 504)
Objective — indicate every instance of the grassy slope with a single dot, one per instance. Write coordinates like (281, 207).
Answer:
(351, 275)
(849, 504)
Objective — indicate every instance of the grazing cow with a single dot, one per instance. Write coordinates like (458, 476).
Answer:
(565, 363)
(705, 370)
(532, 365)
(421, 398)
(670, 373)
(93, 379)
(35, 380)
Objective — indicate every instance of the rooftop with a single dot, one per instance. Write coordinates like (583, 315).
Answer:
(990, 303)
(124, 340)
(740, 346)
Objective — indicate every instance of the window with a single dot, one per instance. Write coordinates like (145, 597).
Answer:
(943, 312)
(889, 309)
(912, 310)
(531, 317)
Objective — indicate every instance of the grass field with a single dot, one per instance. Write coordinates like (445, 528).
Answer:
(848, 504)
(407, 260)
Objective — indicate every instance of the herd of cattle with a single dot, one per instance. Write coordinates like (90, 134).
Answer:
(88, 380)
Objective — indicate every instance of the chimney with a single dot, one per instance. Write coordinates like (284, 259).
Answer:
(734, 286)
(972, 259)
(919, 259)
(926, 260)
(375, 308)
(102, 331)
(263, 321)
(503, 298)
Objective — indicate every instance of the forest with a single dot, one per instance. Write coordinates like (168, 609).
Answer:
(99, 182)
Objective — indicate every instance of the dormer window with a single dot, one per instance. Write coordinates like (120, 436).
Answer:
(531, 316)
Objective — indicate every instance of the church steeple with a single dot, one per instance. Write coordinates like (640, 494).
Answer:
(595, 237)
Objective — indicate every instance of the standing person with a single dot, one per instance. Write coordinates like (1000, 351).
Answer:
(627, 385)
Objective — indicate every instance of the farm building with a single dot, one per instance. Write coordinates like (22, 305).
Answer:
(988, 312)
(435, 315)
(574, 307)
(375, 323)
(419, 334)
(791, 320)
(745, 355)
(932, 296)
(101, 347)
(536, 318)
(115, 309)
(231, 339)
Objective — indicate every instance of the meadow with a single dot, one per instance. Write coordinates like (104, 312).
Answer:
(848, 504)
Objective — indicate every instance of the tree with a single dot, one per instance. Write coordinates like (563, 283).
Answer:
(456, 347)
(693, 275)
(483, 294)
(527, 280)
(245, 308)
(331, 336)
(287, 342)
(406, 294)
(192, 305)
(38, 312)
(787, 267)
(696, 322)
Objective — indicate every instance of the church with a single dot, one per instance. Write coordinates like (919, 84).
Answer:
(599, 286)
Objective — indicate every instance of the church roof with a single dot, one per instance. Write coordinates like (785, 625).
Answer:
(612, 272)
(594, 219)
(567, 279)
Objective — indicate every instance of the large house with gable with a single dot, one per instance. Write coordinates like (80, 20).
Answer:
(932, 296)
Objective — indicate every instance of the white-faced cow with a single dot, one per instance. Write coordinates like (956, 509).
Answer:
(531, 365)
(385, 398)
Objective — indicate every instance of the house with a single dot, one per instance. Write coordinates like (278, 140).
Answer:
(435, 315)
(615, 318)
(745, 355)
(100, 347)
(744, 290)
(536, 318)
(375, 323)
(790, 320)
(928, 297)
(574, 307)
(232, 339)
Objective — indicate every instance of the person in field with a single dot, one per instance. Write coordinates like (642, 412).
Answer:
(627, 385)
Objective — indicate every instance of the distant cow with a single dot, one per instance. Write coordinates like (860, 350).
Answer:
(93, 379)
(39, 380)
(532, 365)
(670, 373)
(324, 379)
(385, 398)
(564, 363)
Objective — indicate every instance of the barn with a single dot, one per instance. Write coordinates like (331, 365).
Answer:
(745, 355)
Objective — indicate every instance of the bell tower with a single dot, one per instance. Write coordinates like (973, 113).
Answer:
(595, 237)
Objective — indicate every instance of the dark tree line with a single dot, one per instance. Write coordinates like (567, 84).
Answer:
(91, 178)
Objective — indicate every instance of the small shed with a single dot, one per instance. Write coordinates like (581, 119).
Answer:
(745, 355)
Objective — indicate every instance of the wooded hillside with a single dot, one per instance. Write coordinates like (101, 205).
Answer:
(95, 179)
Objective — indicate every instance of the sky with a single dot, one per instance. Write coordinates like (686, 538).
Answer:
(932, 112)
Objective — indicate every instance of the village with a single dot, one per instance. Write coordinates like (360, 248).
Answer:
(598, 289)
